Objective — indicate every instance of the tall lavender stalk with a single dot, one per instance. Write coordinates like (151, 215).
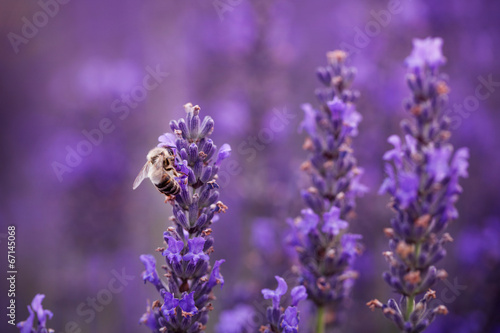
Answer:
(325, 250)
(422, 179)
(186, 294)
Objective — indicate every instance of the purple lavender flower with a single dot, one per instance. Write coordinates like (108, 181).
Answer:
(215, 276)
(150, 274)
(320, 235)
(37, 309)
(195, 250)
(426, 52)
(276, 294)
(290, 323)
(280, 320)
(298, 294)
(170, 303)
(186, 303)
(332, 222)
(263, 236)
(423, 184)
(187, 292)
(151, 318)
(173, 250)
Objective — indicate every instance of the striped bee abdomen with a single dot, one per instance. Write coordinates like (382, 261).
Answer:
(168, 186)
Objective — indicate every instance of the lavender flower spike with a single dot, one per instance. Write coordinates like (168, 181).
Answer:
(422, 179)
(41, 315)
(320, 235)
(186, 295)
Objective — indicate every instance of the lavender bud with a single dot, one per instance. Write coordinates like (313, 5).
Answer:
(194, 127)
(181, 144)
(323, 76)
(197, 168)
(206, 127)
(184, 128)
(206, 174)
(183, 153)
(193, 153)
(204, 195)
(174, 126)
(191, 177)
(181, 218)
(193, 213)
(213, 198)
(200, 222)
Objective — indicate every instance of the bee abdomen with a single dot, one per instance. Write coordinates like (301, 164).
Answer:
(168, 186)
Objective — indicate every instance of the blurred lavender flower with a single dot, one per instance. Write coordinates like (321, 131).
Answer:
(237, 320)
(324, 247)
(422, 179)
(41, 314)
(186, 295)
(280, 320)
(479, 246)
(426, 53)
(264, 236)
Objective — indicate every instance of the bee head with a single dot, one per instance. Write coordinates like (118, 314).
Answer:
(155, 153)
(160, 152)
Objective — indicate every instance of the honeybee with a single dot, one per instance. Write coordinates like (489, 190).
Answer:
(160, 170)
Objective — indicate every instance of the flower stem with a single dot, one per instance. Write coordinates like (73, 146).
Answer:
(409, 306)
(320, 320)
(411, 299)
(417, 250)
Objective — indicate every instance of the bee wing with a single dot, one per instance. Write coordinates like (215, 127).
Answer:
(143, 174)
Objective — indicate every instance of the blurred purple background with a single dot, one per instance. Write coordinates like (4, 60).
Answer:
(244, 62)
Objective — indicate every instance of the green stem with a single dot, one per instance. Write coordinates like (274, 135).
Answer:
(417, 250)
(320, 320)
(409, 306)
(410, 301)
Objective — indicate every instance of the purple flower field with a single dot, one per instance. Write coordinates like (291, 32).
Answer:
(304, 167)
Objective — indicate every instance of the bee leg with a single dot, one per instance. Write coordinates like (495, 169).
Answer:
(169, 198)
(174, 172)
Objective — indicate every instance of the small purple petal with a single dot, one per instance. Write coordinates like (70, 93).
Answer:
(216, 276)
(167, 140)
(460, 162)
(308, 222)
(309, 122)
(27, 325)
(298, 293)
(186, 303)
(224, 152)
(276, 294)
(333, 224)
(290, 322)
(36, 304)
(169, 303)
